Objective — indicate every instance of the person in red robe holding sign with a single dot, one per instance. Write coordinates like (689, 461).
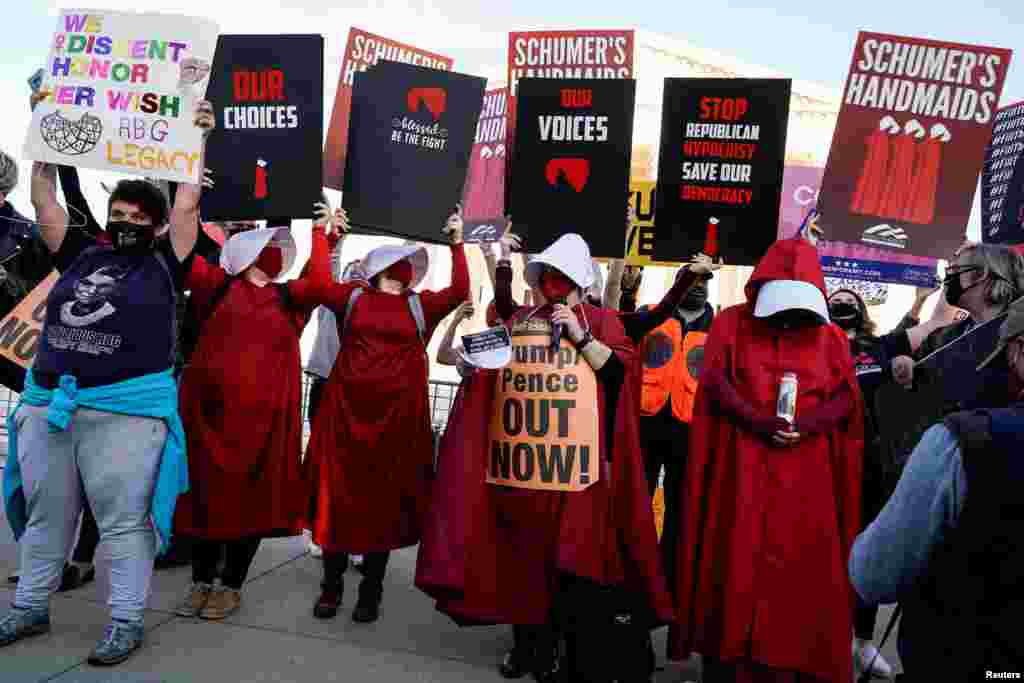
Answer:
(772, 500)
(541, 515)
(370, 459)
(244, 424)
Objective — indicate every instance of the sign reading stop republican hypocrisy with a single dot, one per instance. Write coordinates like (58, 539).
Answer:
(410, 135)
(363, 50)
(723, 146)
(267, 93)
(483, 198)
(910, 141)
(571, 158)
(122, 93)
(1002, 179)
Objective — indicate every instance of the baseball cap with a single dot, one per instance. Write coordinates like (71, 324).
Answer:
(1012, 327)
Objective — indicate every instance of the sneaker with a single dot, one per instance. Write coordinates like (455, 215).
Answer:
(23, 623)
(120, 641)
(867, 658)
(195, 601)
(75, 576)
(221, 604)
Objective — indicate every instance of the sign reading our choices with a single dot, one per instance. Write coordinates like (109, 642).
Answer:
(1002, 179)
(909, 142)
(723, 144)
(267, 93)
(410, 136)
(123, 89)
(363, 51)
(544, 431)
(483, 198)
(572, 158)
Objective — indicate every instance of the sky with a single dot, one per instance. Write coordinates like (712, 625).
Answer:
(809, 41)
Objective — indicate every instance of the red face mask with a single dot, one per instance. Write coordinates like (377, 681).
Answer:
(555, 286)
(270, 261)
(400, 272)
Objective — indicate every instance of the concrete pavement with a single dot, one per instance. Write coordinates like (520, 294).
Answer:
(274, 636)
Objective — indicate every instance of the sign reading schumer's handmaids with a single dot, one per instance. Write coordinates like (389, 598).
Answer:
(123, 88)
(267, 93)
(572, 156)
(544, 431)
(362, 51)
(483, 198)
(723, 144)
(909, 142)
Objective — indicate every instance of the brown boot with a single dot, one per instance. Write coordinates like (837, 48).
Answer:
(195, 601)
(223, 602)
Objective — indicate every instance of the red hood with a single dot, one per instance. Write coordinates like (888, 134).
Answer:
(792, 259)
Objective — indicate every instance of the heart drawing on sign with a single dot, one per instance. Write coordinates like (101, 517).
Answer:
(71, 137)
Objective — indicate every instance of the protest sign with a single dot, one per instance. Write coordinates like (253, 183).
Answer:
(847, 262)
(267, 93)
(544, 433)
(909, 142)
(604, 54)
(723, 143)
(489, 349)
(123, 89)
(640, 235)
(1002, 179)
(410, 136)
(572, 162)
(20, 329)
(483, 198)
(362, 51)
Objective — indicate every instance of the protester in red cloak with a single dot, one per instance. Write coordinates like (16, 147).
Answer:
(243, 424)
(369, 463)
(770, 514)
(498, 555)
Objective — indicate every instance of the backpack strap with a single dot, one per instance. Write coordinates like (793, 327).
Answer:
(343, 328)
(416, 308)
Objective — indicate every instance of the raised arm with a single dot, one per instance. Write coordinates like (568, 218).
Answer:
(51, 217)
(75, 198)
(446, 354)
(613, 288)
(185, 214)
(437, 305)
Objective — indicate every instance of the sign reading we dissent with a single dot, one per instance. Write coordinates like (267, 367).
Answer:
(122, 92)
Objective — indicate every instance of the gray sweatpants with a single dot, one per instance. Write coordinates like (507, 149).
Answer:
(112, 459)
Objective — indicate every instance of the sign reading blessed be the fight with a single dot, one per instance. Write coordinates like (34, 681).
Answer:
(571, 159)
(123, 89)
(723, 145)
(410, 134)
(268, 95)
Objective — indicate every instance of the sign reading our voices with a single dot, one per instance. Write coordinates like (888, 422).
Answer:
(123, 87)
(544, 427)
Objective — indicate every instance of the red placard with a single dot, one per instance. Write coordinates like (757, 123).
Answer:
(363, 51)
(909, 143)
(565, 54)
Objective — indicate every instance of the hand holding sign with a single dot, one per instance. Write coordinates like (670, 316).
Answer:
(204, 118)
(510, 242)
(453, 229)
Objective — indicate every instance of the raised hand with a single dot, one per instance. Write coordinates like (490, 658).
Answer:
(454, 227)
(508, 243)
(204, 117)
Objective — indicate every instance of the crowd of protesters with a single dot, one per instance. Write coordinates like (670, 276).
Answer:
(148, 422)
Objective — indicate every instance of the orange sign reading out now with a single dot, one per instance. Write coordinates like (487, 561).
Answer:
(544, 431)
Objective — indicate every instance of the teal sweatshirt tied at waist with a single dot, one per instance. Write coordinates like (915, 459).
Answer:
(154, 395)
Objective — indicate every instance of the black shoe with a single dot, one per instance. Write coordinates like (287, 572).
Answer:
(73, 578)
(367, 608)
(13, 579)
(329, 601)
(515, 665)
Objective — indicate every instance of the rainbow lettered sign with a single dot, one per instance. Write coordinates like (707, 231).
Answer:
(123, 87)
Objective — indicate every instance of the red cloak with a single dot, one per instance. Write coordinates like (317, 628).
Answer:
(766, 532)
(871, 181)
(370, 460)
(492, 554)
(243, 423)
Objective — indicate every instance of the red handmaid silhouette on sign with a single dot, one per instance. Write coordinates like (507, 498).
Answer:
(436, 100)
(575, 170)
(261, 190)
(872, 179)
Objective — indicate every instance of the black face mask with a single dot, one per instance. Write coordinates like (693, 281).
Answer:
(127, 236)
(696, 298)
(954, 290)
(847, 316)
(795, 318)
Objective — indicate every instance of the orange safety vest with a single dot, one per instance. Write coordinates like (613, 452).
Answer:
(672, 365)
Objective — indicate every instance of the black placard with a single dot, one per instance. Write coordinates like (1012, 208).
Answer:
(410, 134)
(723, 147)
(1002, 179)
(573, 144)
(268, 95)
